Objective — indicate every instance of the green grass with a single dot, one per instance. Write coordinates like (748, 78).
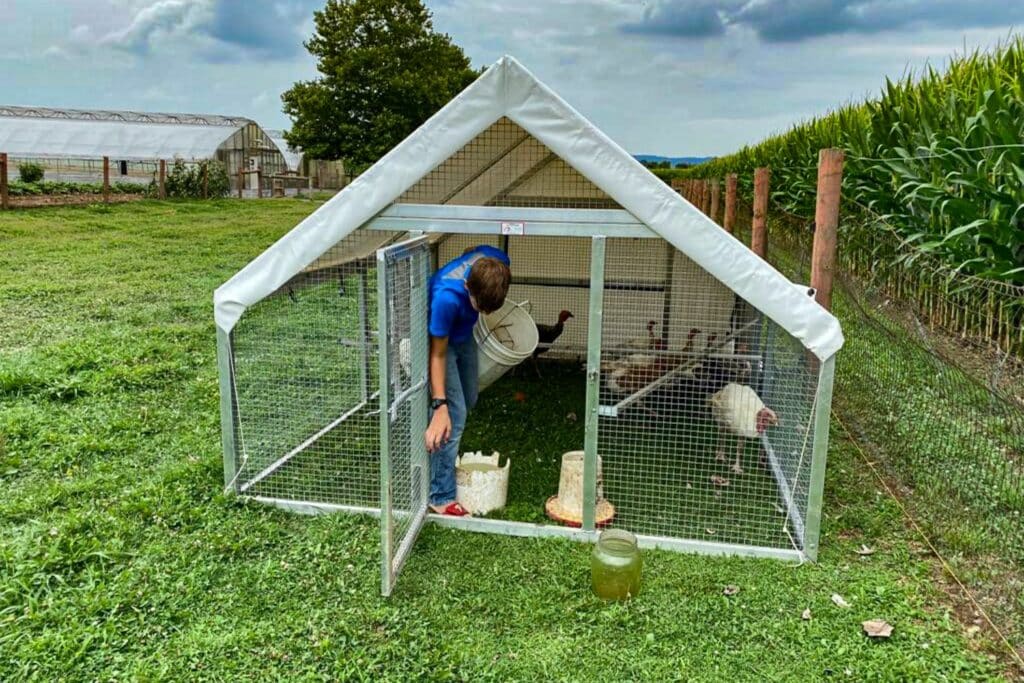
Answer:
(121, 559)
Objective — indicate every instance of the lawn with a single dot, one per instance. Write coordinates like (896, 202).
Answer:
(120, 557)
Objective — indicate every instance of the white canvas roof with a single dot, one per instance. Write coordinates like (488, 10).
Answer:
(85, 139)
(508, 89)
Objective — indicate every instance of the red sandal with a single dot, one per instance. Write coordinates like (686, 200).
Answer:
(453, 510)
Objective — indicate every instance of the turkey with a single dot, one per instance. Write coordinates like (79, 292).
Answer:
(738, 409)
(547, 334)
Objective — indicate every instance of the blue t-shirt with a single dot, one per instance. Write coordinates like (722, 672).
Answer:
(451, 313)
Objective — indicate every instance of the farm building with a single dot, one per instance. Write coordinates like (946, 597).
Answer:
(71, 143)
(322, 339)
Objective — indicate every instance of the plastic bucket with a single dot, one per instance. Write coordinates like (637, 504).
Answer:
(504, 339)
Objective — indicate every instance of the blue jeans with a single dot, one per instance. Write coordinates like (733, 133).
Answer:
(460, 384)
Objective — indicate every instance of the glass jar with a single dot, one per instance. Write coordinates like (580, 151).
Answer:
(615, 565)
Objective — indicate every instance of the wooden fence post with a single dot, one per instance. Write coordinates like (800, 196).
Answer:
(241, 180)
(259, 183)
(714, 200)
(163, 179)
(759, 228)
(728, 222)
(206, 180)
(5, 201)
(106, 179)
(826, 224)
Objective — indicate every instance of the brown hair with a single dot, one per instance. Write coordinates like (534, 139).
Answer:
(488, 283)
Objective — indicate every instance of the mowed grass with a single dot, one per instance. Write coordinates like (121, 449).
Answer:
(120, 558)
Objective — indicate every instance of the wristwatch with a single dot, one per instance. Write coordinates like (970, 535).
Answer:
(436, 403)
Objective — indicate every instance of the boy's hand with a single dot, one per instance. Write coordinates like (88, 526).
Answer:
(439, 430)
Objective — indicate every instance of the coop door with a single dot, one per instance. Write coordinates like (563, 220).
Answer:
(402, 273)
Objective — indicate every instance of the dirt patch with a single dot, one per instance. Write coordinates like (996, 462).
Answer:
(33, 202)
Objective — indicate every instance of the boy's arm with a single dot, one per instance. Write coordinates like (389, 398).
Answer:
(440, 427)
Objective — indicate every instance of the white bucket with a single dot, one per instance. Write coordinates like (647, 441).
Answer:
(481, 484)
(504, 339)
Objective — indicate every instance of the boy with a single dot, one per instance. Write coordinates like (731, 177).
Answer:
(476, 282)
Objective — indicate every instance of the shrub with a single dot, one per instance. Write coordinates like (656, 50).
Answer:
(30, 172)
(186, 180)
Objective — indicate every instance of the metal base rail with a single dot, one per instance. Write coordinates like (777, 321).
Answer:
(532, 530)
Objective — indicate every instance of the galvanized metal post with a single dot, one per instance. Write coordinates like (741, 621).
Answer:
(383, 327)
(227, 409)
(590, 456)
(819, 457)
(666, 312)
(419, 272)
(365, 338)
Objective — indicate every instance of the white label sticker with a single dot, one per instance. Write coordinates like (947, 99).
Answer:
(513, 228)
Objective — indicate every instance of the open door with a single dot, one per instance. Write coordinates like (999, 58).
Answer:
(402, 273)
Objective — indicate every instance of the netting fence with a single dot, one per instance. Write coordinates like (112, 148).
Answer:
(930, 384)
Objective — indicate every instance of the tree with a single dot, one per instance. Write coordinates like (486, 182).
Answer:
(384, 71)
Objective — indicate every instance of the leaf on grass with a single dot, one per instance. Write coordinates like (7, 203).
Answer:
(719, 481)
(710, 531)
(864, 551)
(571, 417)
(731, 590)
(876, 628)
(838, 600)
(806, 616)
(973, 630)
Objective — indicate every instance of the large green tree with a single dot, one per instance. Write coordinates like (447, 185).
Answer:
(384, 71)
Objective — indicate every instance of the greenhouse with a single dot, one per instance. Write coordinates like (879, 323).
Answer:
(71, 143)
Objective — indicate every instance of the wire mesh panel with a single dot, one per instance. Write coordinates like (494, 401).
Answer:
(506, 166)
(402, 274)
(304, 370)
(705, 428)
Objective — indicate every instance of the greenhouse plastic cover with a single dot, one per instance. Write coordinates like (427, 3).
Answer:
(292, 157)
(508, 89)
(87, 139)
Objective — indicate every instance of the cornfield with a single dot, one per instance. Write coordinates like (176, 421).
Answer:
(933, 187)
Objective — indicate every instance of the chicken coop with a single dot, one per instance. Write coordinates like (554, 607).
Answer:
(707, 375)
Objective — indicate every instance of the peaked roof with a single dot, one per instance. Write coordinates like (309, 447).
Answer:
(508, 89)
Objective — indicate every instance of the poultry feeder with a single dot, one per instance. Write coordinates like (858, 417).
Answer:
(481, 483)
(567, 507)
(323, 344)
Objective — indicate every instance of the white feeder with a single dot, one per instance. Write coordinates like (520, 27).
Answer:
(481, 484)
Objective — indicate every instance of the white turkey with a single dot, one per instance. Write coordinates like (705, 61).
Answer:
(739, 410)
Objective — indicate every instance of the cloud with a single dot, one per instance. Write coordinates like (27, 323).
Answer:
(219, 30)
(787, 21)
(684, 19)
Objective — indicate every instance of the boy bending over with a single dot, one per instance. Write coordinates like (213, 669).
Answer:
(476, 282)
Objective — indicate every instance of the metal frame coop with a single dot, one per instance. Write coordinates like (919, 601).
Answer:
(322, 340)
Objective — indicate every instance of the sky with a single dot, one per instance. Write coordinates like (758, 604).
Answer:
(670, 77)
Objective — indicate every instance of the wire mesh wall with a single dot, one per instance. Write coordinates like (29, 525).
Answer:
(305, 381)
(506, 166)
(706, 428)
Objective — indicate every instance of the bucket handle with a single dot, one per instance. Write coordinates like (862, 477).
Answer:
(525, 303)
